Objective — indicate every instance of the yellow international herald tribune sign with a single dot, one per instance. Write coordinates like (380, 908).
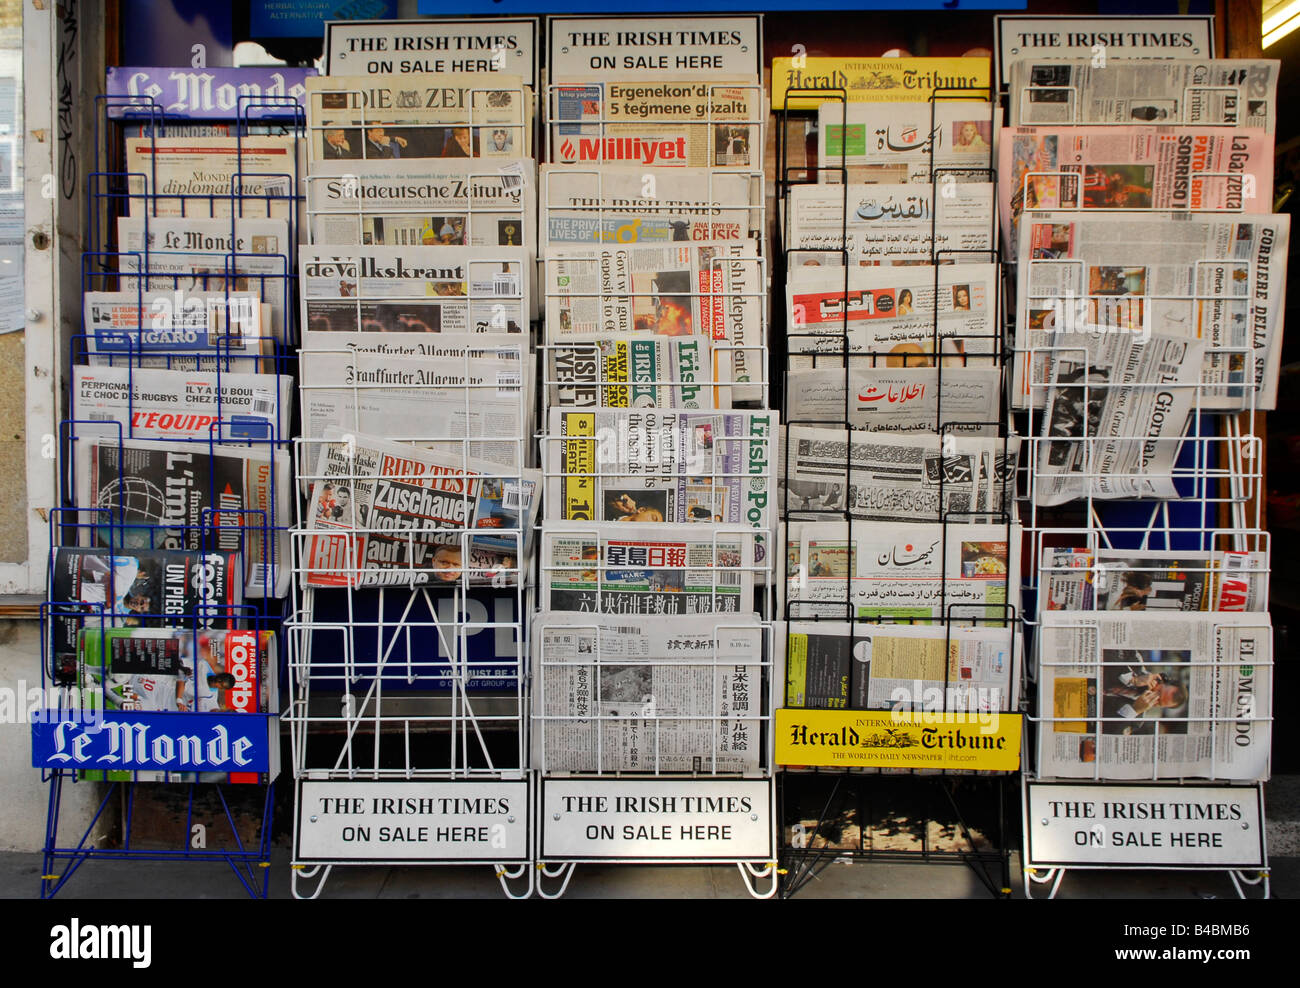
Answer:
(988, 742)
(876, 80)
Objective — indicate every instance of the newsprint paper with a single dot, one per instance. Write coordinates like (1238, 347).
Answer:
(212, 176)
(1155, 580)
(1144, 696)
(180, 330)
(896, 143)
(632, 372)
(629, 694)
(905, 400)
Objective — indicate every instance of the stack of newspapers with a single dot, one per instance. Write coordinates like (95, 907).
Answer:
(417, 291)
(656, 440)
(1137, 202)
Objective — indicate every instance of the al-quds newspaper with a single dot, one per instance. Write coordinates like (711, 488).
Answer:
(627, 694)
(1145, 696)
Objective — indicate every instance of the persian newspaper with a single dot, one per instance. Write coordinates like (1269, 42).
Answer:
(890, 311)
(1156, 580)
(903, 400)
(609, 204)
(1114, 416)
(885, 224)
(900, 572)
(181, 330)
(1221, 279)
(213, 176)
(185, 254)
(675, 123)
(402, 290)
(628, 694)
(1234, 92)
(611, 568)
(897, 143)
(715, 290)
(385, 514)
(835, 665)
(1145, 696)
(632, 372)
(204, 498)
(1205, 169)
(449, 115)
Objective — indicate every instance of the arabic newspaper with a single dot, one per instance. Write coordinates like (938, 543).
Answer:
(876, 80)
(175, 329)
(901, 400)
(1221, 279)
(888, 224)
(1233, 92)
(391, 514)
(205, 498)
(1115, 415)
(610, 568)
(631, 372)
(633, 695)
(1209, 169)
(901, 572)
(187, 176)
(834, 665)
(419, 116)
(1144, 696)
(186, 254)
(897, 143)
(1156, 580)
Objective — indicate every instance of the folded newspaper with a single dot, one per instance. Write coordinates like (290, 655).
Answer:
(634, 695)
(608, 568)
(1145, 696)
(1156, 580)
(213, 176)
(632, 372)
(895, 143)
(965, 401)
(391, 514)
(192, 330)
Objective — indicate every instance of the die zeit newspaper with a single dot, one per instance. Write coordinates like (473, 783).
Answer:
(388, 117)
(1134, 168)
(1235, 92)
(1144, 696)
(676, 123)
(628, 372)
(1156, 580)
(386, 514)
(144, 494)
(615, 568)
(627, 694)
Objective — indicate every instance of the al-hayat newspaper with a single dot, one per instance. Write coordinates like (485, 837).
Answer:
(203, 498)
(1115, 415)
(632, 465)
(419, 116)
(633, 695)
(834, 665)
(1132, 168)
(715, 290)
(886, 224)
(1221, 279)
(615, 204)
(1235, 92)
(890, 311)
(150, 403)
(212, 176)
(611, 568)
(676, 123)
(632, 372)
(900, 572)
(1145, 696)
(897, 143)
(391, 514)
(825, 473)
(904, 400)
(1156, 580)
(180, 330)
(398, 290)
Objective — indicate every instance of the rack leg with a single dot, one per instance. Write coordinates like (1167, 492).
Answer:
(565, 870)
(1033, 877)
(303, 873)
(507, 875)
(1240, 878)
(749, 872)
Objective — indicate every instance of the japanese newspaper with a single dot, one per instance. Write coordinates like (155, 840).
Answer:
(634, 695)
(610, 568)
(1145, 696)
(181, 330)
(896, 143)
(632, 372)
(188, 176)
(1156, 580)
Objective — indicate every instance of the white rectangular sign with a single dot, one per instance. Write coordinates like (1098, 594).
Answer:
(653, 819)
(1145, 826)
(412, 821)
(699, 46)
(1117, 36)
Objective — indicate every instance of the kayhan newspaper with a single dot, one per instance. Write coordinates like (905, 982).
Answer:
(1144, 696)
(1156, 580)
(895, 143)
(679, 697)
